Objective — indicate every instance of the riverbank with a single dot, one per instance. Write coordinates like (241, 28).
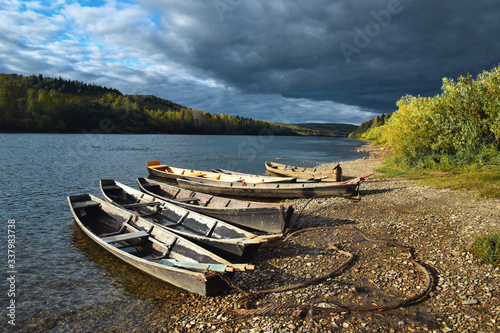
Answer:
(438, 224)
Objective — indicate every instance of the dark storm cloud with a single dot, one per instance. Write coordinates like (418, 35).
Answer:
(286, 61)
(366, 54)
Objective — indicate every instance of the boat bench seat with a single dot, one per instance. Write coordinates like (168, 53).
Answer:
(196, 174)
(125, 237)
(150, 163)
(111, 187)
(187, 200)
(85, 204)
(151, 186)
(160, 166)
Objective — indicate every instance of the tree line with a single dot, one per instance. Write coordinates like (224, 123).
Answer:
(368, 125)
(40, 104)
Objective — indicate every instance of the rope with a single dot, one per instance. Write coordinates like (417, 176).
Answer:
(239, 308)
(292, 225)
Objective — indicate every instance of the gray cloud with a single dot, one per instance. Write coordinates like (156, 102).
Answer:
(287, 61)
(365, 54)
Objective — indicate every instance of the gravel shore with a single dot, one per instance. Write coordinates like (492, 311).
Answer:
(438, 224)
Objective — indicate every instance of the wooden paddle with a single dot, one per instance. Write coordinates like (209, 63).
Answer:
(208, 267)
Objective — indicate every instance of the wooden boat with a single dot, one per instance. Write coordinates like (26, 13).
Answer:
(285, 170)
(152, 249)
(244, 175)
(262, 216)
(273, 190)
(164, 171)
(236, 173)
(217, 236)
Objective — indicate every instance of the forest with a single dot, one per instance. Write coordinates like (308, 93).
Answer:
(368, 125)
(54, 105)
(324, 129)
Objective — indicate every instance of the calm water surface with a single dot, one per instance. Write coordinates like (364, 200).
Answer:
(63, 281)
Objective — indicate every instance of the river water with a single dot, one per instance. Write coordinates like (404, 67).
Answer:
(54, 278)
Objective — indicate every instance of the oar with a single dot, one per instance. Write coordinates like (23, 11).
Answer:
(268, 237)
(142, 204)
(208, 267)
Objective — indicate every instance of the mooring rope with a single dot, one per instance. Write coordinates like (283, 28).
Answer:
(292, 225)
(239, 307)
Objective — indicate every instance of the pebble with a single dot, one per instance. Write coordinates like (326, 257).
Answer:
(470, 302)
(438, 224)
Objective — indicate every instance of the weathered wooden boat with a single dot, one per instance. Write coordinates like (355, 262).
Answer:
(263, 216)
(237, 173)
(165, 171)
(152, 249)
(220, 237)
(244, 175)
(285, 170)
(273, 190)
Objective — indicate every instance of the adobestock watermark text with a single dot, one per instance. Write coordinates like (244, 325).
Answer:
(11, 272)
(363, 36)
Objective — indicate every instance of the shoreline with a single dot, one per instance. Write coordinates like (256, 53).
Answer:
(438, 224)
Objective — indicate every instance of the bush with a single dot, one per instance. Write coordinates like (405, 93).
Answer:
(487, 248)
(461, 126)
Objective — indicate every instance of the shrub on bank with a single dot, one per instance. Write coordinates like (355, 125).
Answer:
(459, 127)
(487, 248)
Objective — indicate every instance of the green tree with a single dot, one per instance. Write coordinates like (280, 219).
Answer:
(460, 126)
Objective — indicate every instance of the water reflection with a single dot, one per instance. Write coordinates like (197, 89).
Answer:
(123, 276)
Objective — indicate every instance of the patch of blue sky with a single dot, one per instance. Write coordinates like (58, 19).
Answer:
(83, 39)
(130, 2)
(86, 57)
(89, 3)
(155, 18)
(100, 3)
(62, 36)
(127, 62)
(151, 21)
(22, 7)
(42, 7)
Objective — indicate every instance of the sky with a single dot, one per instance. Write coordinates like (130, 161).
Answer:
(288, 61)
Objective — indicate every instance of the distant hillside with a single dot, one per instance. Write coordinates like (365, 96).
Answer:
(367, 125)
(39, 104)
(324, 129)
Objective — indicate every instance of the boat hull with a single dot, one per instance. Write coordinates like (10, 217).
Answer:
(104, 215)
(273, 191)
(261, 216)
(214, 234)
(283, 170)
(156, 169)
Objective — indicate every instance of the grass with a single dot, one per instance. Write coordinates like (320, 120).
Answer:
(485, 180)
(487, 248)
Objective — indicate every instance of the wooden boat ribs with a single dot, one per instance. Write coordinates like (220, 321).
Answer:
(216, 235)
(283, 170)
(262, 216)
(164, 171)
(144, 245)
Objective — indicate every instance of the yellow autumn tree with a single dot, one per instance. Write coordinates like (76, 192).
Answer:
(460, 126)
